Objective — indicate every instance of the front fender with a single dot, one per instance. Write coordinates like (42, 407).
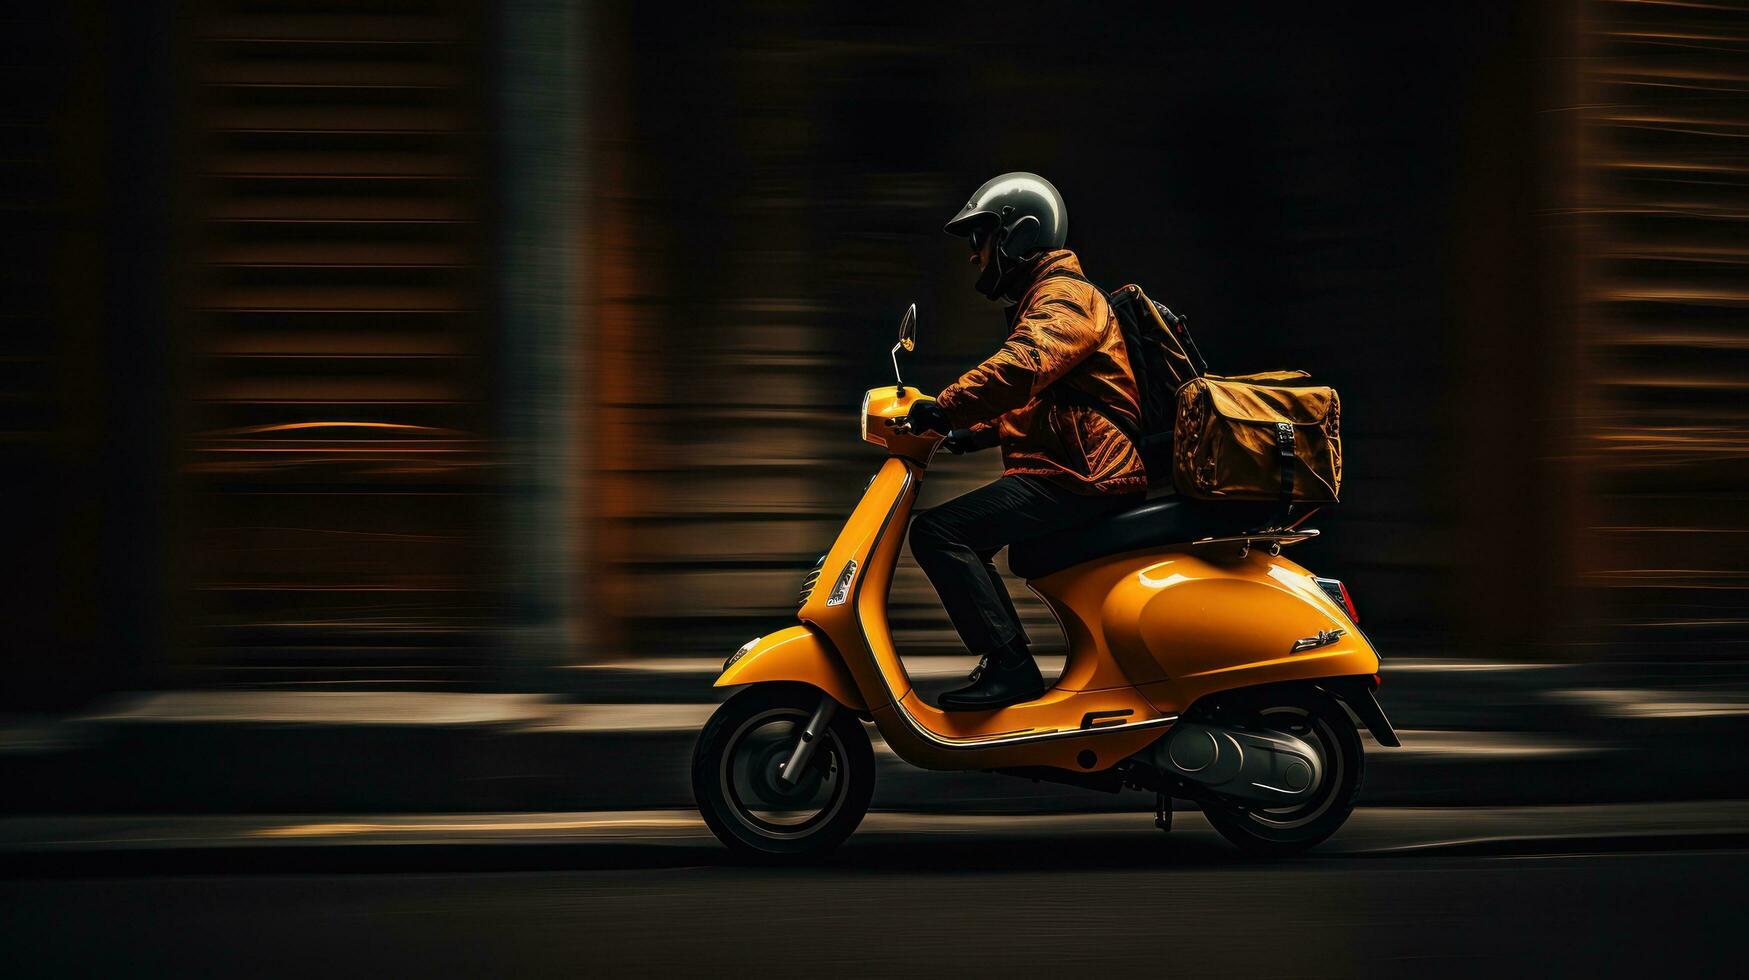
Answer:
(798, 654)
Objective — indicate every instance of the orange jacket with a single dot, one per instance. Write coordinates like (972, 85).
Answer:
(1064, 334)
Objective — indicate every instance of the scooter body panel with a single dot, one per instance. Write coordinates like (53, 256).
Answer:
(1184, 626)
(797, 654)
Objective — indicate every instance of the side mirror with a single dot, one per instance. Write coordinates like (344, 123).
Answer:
(907, 342)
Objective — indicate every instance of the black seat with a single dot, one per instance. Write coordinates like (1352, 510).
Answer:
(1168, 520)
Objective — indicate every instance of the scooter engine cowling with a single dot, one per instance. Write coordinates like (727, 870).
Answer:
(1264, 768)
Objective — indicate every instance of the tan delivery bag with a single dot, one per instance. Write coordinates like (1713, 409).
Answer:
(1258, 437)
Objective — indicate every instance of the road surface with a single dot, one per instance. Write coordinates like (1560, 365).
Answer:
(1039, 899)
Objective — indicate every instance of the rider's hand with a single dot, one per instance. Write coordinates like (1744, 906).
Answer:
(959, 442)
(926, 417)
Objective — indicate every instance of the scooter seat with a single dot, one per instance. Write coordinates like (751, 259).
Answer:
(1151, 524)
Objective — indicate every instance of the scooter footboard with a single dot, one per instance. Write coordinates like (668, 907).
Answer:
(798, 654)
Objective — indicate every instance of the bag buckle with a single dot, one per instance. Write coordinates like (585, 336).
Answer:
(1284, 438)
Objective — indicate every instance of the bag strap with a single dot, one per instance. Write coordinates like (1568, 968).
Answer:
(1289, 460)
(1065, 395)
(1138, 376)
(1180, 327)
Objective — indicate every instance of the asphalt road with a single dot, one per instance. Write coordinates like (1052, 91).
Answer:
(1044, 904)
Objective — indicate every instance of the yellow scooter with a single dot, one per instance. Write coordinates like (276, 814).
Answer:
(1212, 670)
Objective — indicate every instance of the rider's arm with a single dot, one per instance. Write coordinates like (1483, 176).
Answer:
(1049, 339)
(984, 435)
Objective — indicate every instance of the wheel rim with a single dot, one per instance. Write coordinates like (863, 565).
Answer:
(1316, 732)
(758, 799)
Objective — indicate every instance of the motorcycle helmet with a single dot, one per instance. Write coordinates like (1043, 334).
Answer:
(1009, 220)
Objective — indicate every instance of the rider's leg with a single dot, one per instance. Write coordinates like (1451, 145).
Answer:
(953, 544)
(1001, 589)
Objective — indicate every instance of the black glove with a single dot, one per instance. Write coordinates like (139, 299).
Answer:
(960, 441)
(926, 417)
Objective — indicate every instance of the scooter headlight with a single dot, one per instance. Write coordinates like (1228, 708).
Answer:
(863, 415)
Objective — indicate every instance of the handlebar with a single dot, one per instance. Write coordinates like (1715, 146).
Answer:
(902, 425)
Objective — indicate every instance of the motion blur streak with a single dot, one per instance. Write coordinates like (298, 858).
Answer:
(354, 341)
(407, 405)
(519, 826)
(340, 474)
(1665, 110)
(1665, 116)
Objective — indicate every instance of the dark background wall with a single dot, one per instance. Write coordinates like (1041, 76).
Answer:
(1358, 192)
(269, 311)
(86, 386)
(1664, 212)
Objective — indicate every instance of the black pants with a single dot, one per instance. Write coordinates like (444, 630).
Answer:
(956, 541)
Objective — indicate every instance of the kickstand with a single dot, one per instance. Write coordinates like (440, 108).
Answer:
(1163, 811)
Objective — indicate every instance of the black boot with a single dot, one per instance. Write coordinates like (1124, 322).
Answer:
(1008, 676)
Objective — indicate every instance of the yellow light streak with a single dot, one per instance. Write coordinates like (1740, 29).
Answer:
(296, 426)
(349, 829)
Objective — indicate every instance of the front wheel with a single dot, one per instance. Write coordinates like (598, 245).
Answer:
(736, 779)
(1322, 723)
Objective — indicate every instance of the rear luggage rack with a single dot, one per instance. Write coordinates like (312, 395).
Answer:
(1239, 546)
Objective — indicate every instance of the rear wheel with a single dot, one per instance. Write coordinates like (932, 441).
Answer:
(1323, 724)
(737, 767)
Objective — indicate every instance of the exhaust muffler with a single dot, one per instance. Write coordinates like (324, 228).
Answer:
(1264, 768)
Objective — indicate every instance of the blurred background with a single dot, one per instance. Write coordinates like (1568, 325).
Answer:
(453, 346)
(406, 405)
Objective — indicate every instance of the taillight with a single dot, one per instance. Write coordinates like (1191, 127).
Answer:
(1338, 594)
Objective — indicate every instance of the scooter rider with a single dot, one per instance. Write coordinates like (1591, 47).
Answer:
(1064, 463)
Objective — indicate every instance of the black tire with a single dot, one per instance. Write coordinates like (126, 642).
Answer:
(734, 766)
(1320, 720)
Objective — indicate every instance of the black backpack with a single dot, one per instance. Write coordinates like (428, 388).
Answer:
(1162, 357)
